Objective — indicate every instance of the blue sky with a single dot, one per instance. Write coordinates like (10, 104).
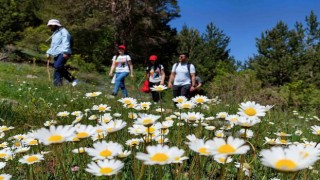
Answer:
(243, 20)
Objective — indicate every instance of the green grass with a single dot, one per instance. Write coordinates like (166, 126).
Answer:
(26, 103)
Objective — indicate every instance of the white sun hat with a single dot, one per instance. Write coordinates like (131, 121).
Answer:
(54, 22)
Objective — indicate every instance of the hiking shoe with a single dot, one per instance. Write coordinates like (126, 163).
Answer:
(75, 82)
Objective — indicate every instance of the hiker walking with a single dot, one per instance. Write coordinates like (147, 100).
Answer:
(182, 78)
(197, 89)
(122, 65)
(156, 75)
(60, 50)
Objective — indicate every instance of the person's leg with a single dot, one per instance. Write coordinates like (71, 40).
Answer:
(65, 73)
(122, 86)
(58, 65)
(176, 91)
(185, 90)
(155, 95)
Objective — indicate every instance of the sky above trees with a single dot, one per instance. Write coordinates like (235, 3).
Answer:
(243, 20)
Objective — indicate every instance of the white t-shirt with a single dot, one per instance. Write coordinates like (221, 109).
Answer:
(122, 63)
(155, 75)
(182, 76)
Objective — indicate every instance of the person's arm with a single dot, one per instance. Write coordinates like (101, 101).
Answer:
(65, 44)
(193, 81)
(131, 68)
(112, 68)
(170, 83)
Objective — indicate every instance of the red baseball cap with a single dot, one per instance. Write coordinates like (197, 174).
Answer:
(122, 47)
(153, 58)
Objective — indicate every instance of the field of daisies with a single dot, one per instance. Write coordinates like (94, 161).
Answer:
(82, 132)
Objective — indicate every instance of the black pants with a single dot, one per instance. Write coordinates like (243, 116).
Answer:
(183, 90)
(155, 95)
(60, 71)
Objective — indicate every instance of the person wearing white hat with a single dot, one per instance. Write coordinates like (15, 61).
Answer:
(60, 50)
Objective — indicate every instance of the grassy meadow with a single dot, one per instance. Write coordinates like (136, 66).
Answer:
(30, 102)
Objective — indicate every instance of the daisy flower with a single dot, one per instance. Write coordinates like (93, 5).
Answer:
(98, 135)
(221, 115)
(210, 128)
(105, 118)
(21, 150)
(298, 132)
(269, 141)
(158, 155)
(158, 88)
(222, 159)
(177, 155)
(247, 122)
(54, 135)
(229, 147)
(93, 94)
(5, 128)
(136, 129)
(31, 159)
(191, 117)
(232, 118)
(104, 150)
(49, 123)
(124, 154)
(180, 99)
(200, 146)
(315, 130)
(2, 134)
(160, 110)
(147, 119)
(219, 133)
(105, 167)
(63, 114)
(77, 120)
(186, 105)
(93, 117)
(145, 105)
(5, 176)
(280, 141)
(101, 108)
(251, 110)
(127, 101)
(246, 133)
(6, 154)
(132, 115)
(117, 115)
(84, 131)
(282, 134)
(79, 150)
(200, 99)
(285, 159)
(76, 113)
(114, 125)
(133, 142)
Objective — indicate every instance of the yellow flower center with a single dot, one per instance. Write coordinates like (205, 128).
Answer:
(159, 157)
(250, 111)
(33, 142)
(1, 178)
(226, 149)
(106, 170)
(151, 130)
(17, 144)
(3, 155)
(200, 100)
(110, 129)
(221, 159)
(4, 128)
(203, 150)
(283, 141)
(186, 106)
(32, 159)
(285, 164)
(192, 118)
(180, 100)
(82, 135)
(147, 121)
(105, 153)
(318, 132)
(127, 101)
(101, 108)
(55, 138)
(234, 120)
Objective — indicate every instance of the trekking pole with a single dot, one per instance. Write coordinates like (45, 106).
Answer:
(48, 69)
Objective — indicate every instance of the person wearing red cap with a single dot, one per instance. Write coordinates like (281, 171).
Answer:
(156, 75)
(122, 65)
